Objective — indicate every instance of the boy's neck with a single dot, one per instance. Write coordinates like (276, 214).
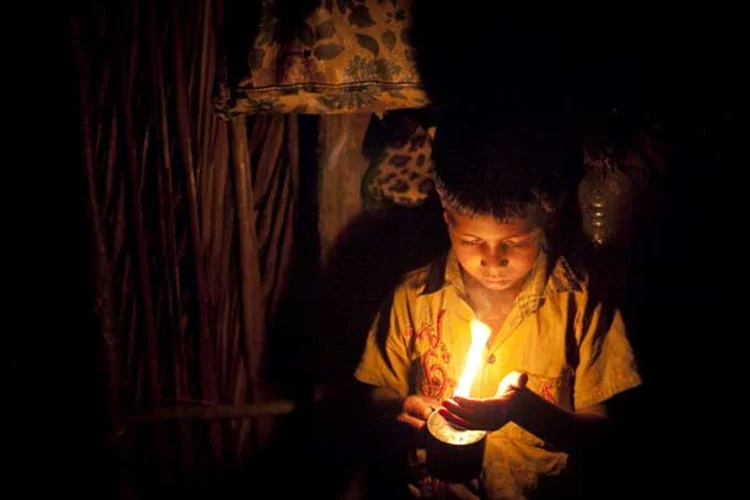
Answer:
(490, 306)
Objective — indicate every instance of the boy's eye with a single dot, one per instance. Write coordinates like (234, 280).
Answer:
(471, 242)
(518, 244)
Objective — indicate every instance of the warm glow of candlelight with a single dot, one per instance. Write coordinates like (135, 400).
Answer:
(480, 334)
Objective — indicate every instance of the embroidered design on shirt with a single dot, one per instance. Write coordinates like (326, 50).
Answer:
(435, 360)
(546, 392)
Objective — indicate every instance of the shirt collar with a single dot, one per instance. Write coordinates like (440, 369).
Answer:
(546, 277)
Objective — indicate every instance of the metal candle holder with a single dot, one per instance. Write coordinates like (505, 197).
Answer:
(454, 455)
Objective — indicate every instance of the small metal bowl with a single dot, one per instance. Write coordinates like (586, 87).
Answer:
(454, 455)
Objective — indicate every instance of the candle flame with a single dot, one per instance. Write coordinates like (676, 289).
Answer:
(480, 334)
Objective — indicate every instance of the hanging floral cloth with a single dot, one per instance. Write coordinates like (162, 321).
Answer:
(346, 56)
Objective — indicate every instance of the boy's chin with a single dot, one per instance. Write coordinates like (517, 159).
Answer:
(497, 285)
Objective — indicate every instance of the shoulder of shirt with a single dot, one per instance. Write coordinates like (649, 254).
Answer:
(413, 282)
(566, 278)
(563, 278)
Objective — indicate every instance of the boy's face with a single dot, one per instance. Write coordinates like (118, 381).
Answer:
(496, 255)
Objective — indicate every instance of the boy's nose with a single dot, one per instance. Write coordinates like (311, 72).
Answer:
(490, 262)
(495, 258)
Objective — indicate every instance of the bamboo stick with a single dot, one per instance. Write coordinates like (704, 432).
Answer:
(141, 245)
(275, 231)
(169, 243)
(174, 264)
(245, 440)
(257, 132)
(268, 165)
(204, 82)
(205, 132)
(205, 158)
(233, 322)
(207, 369)
(221, 241)
(102, 88)
(219, 226)
(164, 247)
(287, 230)
(215, 412)
(234, 347)
(190, 56)
(140, 364)
(129, 58)
(129, 315)
(276, 245)
(220, 281)
(293, 148)
(252, 309)
(252, 300)
(103, 302)
(225, 272)
(119, 224)
(208, 197)
(222, 343)
(98, 106)
(109, 173)
(144, 158)
(206, 126)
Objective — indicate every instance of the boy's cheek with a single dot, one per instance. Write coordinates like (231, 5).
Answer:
(467, 261)
(465, 254)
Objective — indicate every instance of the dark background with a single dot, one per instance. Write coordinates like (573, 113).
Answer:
(680, 66)
(677, 68)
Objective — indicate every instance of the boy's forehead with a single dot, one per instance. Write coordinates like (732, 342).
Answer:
(480, 224)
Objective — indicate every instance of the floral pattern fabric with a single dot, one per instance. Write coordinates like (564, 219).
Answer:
(347, 56)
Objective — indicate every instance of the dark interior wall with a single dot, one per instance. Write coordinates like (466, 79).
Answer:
(689, 81)
(665, 75)
(50, 362)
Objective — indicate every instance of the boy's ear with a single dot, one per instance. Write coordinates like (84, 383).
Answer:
(446, 217)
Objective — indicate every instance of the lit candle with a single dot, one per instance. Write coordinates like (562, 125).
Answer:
(480, 334)
(455, 454)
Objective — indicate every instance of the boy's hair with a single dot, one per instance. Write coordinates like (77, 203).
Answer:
(508, 169)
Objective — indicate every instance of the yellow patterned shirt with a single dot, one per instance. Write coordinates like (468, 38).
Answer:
(575, 351)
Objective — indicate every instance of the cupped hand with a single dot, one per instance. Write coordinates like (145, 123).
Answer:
(487, 414)
(416, 409)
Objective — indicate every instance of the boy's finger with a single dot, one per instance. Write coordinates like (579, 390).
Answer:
(454, 419)
(413, 422)
(422, 411)
(472, 404)
(460, 411)
(432, 403)
(421, 407)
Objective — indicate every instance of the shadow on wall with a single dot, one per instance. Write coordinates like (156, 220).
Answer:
(368, 258)
(325, 330)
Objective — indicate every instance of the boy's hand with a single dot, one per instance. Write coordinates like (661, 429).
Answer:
(416, 409)
(487, 414)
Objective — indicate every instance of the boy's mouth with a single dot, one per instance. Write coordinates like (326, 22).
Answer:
(496, 280)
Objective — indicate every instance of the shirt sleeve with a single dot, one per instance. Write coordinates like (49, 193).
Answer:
(606, 362)
(385, 361)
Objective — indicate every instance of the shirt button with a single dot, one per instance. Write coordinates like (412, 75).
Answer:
(491, 359)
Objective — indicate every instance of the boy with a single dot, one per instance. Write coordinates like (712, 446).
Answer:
(555, 355)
